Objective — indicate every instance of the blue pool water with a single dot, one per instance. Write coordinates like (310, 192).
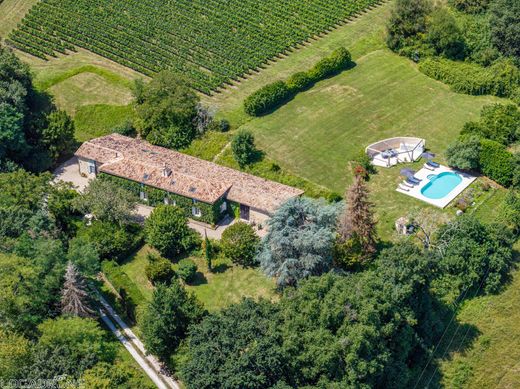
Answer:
(440, 185)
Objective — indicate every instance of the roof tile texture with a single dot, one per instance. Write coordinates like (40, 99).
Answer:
(138, 160)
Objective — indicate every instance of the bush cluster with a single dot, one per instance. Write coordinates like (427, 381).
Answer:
(159, 270)
(273, 95)
(500, 79)
(496, 162)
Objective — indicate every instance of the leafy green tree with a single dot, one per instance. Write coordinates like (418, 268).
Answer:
(112, 241)
(166, 108)
(121, 374)
(444, 35)
(501, 123)
(249, 355)
(12, 137)
(472, 257)
(83, 254)
(464, 153)
(408, 19)
(15, 355)
(158, 270)
(29, 288)
(505, 19)
(498, 122)
(243, 148)
(167, 317)
(58, 135)
(60, 203)
(299, 242)
(21, 198)
(510, 211)
(496, 162)
(471, 6)
(240, 243)
(69, 346)
(187, 270)
(107, 201)
(167, 230)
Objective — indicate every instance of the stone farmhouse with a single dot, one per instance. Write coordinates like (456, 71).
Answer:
(204, 190)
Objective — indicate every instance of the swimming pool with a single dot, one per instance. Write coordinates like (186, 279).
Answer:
(440, 185)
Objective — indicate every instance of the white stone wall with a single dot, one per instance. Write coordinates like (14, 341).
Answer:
(84, 168)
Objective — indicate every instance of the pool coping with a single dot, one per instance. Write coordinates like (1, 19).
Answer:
(422, 174)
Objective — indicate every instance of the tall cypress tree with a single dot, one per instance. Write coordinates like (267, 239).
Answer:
(357, 221)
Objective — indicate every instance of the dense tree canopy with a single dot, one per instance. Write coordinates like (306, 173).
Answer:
(32, 132)
(472, 257)
(167, 230)
(107, 201)
(300, 241)
(167, 108)
(408, 19)
(69, 346)
(167, 317)
(249, 349)
(505, 19)
(240, 243)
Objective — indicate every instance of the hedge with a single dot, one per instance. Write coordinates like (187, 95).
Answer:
(271, 96)
(496, 162)
(266, 98)
(500, 79)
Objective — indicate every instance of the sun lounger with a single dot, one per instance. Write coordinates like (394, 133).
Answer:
(407, 184)
(413, 180)
(426, 166)
(402, 187)
(433, 164)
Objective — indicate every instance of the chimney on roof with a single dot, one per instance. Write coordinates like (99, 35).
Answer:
(166, 171)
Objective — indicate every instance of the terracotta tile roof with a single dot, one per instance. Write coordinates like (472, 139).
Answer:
(185, 175)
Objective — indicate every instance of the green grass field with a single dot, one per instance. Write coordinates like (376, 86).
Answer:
(226, 285)
(486, 353)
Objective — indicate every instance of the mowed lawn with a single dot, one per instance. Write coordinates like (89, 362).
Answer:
(317, 133)
(226, 285)
(492, 359)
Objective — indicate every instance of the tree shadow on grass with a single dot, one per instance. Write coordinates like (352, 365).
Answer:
(220, 268)
(455, 338)
(198, 279)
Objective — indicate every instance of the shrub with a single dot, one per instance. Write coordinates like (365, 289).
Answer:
(243, 147)
(471, 6)
(167, 230)
(500, 79)
(299, 82)
(266, 98)
(187, 270)
(159, 270)
(407, 21)
(112, 241)
(444, 35)
(224, 125)
(240, 243)
(496, 162)
(464, 153)
(501, 123)
(339, 60)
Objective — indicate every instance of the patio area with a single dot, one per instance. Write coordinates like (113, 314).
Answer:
(438, 187)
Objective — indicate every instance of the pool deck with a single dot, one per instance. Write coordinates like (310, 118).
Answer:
(423, 176)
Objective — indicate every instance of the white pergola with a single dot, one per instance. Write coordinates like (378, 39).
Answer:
(391, 151)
